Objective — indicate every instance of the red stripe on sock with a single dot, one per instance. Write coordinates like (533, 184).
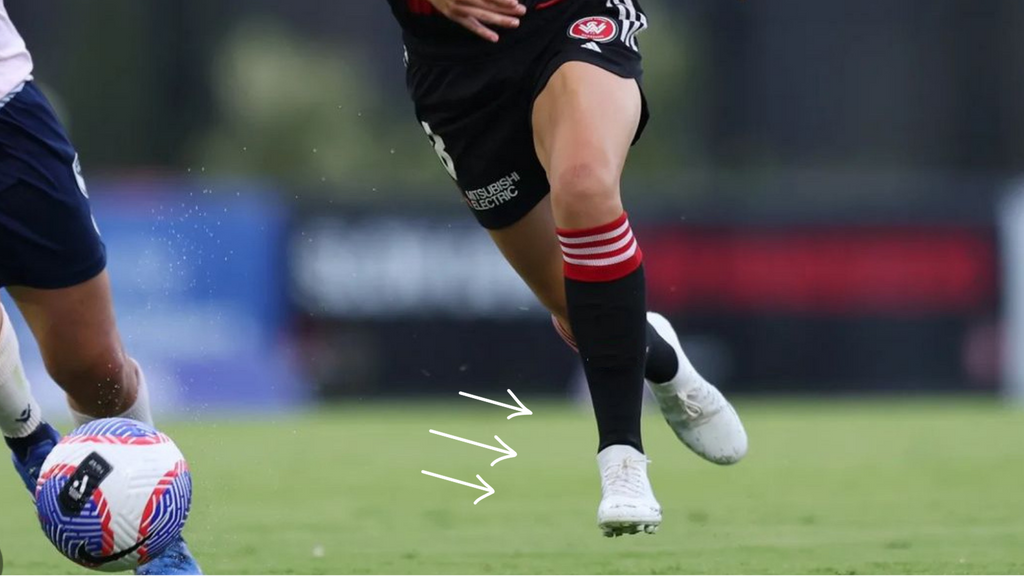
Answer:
(578, 246)
(601, 254)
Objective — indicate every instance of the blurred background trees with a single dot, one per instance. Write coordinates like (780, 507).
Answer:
(311, 92)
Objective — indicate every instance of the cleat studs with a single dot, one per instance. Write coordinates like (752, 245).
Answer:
(615, 530)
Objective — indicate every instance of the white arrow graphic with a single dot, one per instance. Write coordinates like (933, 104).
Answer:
(521, 410)
(508, 452)
(486, 487)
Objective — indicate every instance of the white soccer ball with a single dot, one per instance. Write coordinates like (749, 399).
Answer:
(113, 494)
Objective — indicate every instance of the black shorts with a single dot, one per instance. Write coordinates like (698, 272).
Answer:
(48, 238)
(477, 113)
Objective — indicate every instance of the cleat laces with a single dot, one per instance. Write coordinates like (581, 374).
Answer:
(626, 477)
(690, 406)
(699, 404)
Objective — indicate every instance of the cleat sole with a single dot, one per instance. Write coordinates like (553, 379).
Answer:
(623, 528)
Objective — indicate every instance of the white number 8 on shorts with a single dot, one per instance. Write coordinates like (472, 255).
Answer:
(442, 154)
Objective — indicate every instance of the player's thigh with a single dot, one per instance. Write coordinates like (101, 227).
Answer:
(531, 247)
(53, 259)
(584, 122)
(76, 330)
(477, 120)
(489, 152)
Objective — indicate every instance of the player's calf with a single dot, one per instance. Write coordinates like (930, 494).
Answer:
(95, 395)
(106, 389)
(81, 348)
(99, 384)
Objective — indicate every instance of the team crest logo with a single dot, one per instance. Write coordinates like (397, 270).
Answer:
(595, 28)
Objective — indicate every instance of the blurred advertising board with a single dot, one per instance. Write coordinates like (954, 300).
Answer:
(425, 304)
(198, 276)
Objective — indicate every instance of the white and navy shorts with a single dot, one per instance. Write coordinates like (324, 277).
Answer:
(477, 108)
(48, 238)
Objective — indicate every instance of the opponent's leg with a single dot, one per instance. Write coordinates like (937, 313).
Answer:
(47, 221)
(29, 438)
(82, 350)
(584, 122)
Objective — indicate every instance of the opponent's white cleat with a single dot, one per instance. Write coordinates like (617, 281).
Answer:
(627, 500)
(695, 410)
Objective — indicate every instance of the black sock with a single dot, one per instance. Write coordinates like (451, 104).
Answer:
(606, 296)
(609, 322)
(662, 362)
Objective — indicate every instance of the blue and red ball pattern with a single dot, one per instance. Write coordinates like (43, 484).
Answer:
(92, 529)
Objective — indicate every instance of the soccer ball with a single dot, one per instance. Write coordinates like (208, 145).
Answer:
(113, 494)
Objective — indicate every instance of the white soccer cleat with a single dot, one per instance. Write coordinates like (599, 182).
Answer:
(695, 410)
(627, 500)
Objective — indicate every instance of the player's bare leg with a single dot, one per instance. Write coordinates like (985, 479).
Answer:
(697, 412)
(82, 350)
(531, 247)
(47, 224)
(584, 122)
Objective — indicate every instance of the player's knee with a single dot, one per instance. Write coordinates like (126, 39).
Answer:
(94, 379)
(584, 185)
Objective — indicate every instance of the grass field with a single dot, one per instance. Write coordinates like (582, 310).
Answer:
(839, 488)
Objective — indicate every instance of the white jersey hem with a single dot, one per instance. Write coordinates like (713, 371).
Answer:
(14, 92)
